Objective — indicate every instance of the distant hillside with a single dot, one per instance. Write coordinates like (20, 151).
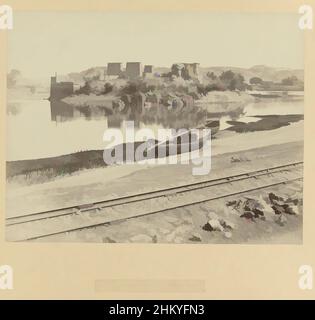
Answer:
(264, 72)
(90, 73)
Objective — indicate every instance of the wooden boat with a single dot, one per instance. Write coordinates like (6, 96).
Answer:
(183, 142)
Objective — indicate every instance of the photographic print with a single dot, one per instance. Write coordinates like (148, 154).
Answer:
(155, 127)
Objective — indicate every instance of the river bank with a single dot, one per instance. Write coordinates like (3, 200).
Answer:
(181, 225)
(103, 183)
(217, 99)
(289, 128)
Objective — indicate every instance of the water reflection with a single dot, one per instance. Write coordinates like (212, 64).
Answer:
(61, 112)
(249, 112)
(39, 129)
(159, 116)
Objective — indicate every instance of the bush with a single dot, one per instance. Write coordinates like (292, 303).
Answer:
(290, 81)
(211, 76)
(137, 86)
(86, 89)
(256, 80)
(201, 89)
(108, 87)
(232, 81)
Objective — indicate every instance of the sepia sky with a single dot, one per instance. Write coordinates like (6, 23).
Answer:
(42, 43)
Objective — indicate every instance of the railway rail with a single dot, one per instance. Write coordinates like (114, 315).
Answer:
(90, 215)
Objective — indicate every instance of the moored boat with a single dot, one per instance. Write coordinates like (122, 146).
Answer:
(185, 141)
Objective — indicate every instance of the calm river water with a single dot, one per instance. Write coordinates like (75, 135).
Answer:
(38, 129)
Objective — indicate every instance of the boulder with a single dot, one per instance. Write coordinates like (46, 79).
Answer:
(195, 238)
(249, 208)
(284, 208)
(141, 238)
(258, 213)
(248, 215)
(275, 199)
(108, 240)
(235, 159)
(227, 224)
(295, 201)
(213, 225)
(277, 209)
(289, 210)
(231, 203)
(251, 204)
(228, 234)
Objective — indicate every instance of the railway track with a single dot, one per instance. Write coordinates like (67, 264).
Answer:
(62, 220)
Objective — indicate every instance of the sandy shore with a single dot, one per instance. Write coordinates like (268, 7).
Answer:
(105, 183)
(182, 225)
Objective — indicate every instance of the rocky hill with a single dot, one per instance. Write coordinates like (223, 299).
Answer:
(264, 72)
